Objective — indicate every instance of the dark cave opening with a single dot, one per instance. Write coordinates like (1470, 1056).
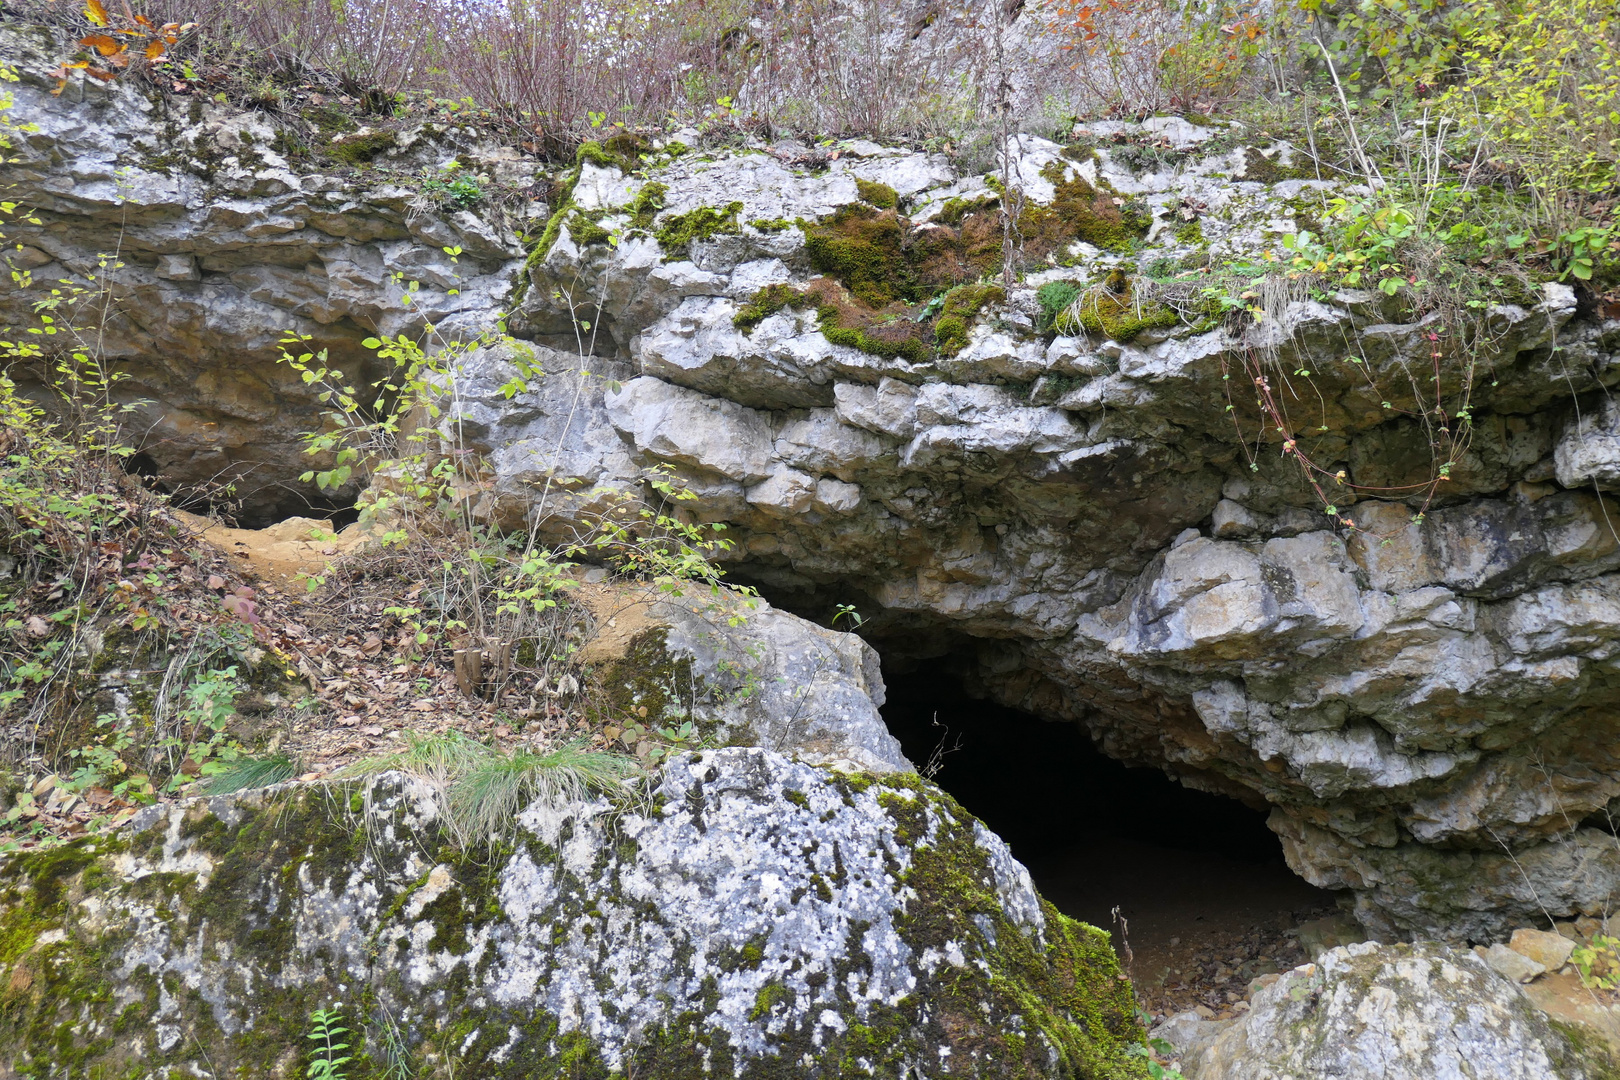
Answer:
(245, 505)
(1096, 835)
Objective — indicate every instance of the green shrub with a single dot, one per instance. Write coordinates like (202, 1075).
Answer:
(1054, 298)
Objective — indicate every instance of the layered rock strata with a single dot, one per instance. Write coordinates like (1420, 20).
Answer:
(1428, 708)
(178, 231)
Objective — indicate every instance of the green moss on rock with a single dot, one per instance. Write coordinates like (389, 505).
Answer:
(958, 311)
(765, 303)
(678, 232)
(863, 249)
(268, 906)
(879, 195)
(361, 148)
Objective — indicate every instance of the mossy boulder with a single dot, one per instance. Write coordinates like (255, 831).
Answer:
(753, 917)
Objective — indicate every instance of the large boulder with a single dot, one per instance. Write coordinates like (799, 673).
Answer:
(742, 672)
(752, 917)
(1381, 1012)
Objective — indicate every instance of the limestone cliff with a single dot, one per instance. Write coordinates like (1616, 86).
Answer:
(1428, 708)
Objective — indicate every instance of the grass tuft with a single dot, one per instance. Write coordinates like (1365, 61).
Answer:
(251, 773)
(482, 789)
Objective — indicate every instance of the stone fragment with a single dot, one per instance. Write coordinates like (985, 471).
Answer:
(1511, 965)
(1549, 950)
(1190, 1033)
(890, 408)
(678, 424)
(178, 268)
(1231, 521)
(1589, 450)
(1317, 936)
(784, 492)
(1256, 985)
(836, 497)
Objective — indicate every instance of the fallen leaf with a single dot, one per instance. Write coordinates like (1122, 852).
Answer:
(348, 721)
(374, 730)
(423, 705)
(215, 581)
(38, 626)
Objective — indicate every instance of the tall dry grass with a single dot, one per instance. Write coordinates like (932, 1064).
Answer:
(562, 68)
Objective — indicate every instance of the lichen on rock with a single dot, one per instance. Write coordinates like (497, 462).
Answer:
(754, 917)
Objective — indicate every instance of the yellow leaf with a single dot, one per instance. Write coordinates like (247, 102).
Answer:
(155, 49)
(96, 12)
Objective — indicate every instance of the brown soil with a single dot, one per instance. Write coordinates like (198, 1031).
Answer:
(1194, 928)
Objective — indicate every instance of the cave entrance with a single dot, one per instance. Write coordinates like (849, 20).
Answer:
(1199, 878)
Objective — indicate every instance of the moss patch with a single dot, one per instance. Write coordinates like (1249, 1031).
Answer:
(1112, 311)
(863, 249)
(765, 303)
(678, 232)
(879, 195)
(1267, 170)
(1080, 211)
(956, 314)
(361, 149)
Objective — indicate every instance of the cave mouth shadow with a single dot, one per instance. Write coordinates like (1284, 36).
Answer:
(1094, 833)
(253, 506)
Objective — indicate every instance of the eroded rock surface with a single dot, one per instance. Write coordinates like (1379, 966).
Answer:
(1428, 708)
(742, 672)
(215, 247)
(1365, 1012)
(1075, 516)
(759, 917)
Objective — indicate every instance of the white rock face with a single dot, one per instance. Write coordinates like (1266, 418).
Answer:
(1077, 515)
(1376, 1012)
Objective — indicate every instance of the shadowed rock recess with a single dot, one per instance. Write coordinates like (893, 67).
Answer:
(1073, 516)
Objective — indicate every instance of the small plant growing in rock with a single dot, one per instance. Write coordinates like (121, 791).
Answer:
(1598, 963)
(452, 189)
(326, 1058)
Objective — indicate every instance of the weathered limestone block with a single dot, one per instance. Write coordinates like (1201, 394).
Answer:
(1377, 1012)
(743, 672)
(755, 917)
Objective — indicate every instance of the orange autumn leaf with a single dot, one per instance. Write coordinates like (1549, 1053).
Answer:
(96, 12)
(155, 49)
(103, 44)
